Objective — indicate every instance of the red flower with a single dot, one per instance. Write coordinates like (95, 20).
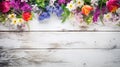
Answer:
(4, 6)
(26, 16)
(113, 5)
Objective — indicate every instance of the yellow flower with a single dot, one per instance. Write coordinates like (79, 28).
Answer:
(79, 3)
(71, 6)
(20, 21)
(14, 21)
(11, 16)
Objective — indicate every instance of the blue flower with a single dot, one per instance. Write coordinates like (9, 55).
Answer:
(50, 9)
(44, 15)
(58, 10)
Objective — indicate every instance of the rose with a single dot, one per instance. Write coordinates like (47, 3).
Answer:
(112, 5)
(4, 6)
(26, 16)
(86, 9)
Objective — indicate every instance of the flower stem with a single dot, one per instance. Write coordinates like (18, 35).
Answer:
(28, 26)
(101, 14)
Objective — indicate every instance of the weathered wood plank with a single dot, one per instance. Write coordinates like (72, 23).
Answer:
(54, 24)
(60, 58)
(60, 40)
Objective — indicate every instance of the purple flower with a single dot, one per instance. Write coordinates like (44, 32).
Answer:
(44, 15)
(97, 13)
(25, 7)
(18, 5)
(15, 4)
(63, 1)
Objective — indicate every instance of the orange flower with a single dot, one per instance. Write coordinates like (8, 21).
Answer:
(86, 9)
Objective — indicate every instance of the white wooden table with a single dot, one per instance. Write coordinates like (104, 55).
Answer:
(54, 44)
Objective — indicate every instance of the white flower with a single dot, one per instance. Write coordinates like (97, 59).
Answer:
(52, 2)
(12, 16)
(24, 0)
(71, 6)
(118, 11)
(20, 21)
(107, 16)
(79, 3)
(14, 21)
(94, 2)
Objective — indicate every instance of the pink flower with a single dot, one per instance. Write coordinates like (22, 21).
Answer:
(113, 5)
(4, 6)
(61, 1)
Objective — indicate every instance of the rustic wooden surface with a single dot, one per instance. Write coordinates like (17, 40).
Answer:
(54, 24)
(54, 44)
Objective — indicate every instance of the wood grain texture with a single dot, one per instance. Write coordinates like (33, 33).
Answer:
(58, 40)
(61, 58)
(51, 43)
(54, 24)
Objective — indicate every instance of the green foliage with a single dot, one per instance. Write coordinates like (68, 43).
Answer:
(103, 2)
(65, 14)
(2, 18)
(88, 19)
(40, 3)
(87, 1)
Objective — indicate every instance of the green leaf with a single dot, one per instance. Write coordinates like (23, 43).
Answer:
(87, 1)
(66, 14)
(104, 1)
(88, 19)
(42, 3)
(2, 18)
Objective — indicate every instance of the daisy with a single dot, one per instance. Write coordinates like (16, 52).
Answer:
(12, 16)
(71, 6)
(108, 16)
(79, 3)
(14, 22)
(20, 21)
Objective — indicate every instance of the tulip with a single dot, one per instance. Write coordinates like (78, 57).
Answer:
(86, 9)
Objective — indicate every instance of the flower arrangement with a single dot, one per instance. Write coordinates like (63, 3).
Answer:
(19, 12)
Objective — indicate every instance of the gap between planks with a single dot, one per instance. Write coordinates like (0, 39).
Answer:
(61, 31)
(61, 48)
